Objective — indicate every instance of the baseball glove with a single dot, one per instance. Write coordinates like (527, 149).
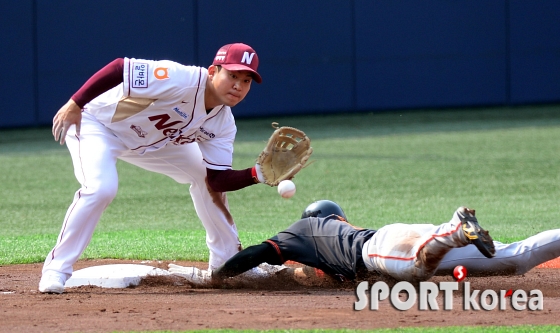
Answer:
(285, 154)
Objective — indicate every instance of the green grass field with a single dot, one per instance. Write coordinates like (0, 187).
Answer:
(415, 166)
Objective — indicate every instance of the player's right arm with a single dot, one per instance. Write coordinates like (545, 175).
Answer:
(71, 113)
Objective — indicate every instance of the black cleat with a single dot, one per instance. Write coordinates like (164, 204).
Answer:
(474, 233)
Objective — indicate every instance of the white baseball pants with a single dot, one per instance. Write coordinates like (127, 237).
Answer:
(412, 252)
(511, 259)
(94, 156)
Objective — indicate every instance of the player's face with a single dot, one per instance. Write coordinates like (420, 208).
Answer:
(229, 87)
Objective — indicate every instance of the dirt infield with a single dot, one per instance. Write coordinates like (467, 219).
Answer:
(167, 303)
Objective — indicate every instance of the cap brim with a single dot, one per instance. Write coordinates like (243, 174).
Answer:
(238, 67)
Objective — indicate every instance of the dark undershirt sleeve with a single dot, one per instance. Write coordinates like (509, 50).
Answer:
(247, 259)
(106, 78)
(229, 180)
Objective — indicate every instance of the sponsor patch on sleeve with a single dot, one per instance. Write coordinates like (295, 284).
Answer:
(161, 73)
(139, 75)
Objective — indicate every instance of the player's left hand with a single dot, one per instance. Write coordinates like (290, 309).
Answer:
(69, 114)
(285, 154)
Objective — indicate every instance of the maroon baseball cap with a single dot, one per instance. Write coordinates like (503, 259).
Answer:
(238, 57)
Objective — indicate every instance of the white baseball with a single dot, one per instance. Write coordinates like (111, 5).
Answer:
(286, 188)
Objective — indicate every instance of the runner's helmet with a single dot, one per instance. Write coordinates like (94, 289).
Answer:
(323, 208)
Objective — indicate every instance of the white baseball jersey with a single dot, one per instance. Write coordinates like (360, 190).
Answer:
(162, 102)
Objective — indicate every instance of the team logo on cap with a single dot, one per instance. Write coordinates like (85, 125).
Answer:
(247, 58)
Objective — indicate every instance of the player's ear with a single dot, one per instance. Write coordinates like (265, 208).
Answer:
(211, 71)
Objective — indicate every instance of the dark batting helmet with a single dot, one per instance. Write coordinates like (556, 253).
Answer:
(323, 208)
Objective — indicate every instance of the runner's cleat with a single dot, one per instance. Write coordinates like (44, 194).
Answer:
(474, 233)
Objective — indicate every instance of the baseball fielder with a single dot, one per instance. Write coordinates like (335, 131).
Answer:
(164, 117)
(338, 251)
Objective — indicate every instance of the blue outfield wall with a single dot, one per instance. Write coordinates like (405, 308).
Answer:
(305, 52)
(18, 81)
(340, 56)
(77, 38)
(425, 54)
(534, 51)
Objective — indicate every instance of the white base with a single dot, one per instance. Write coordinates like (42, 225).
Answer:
(113, 276)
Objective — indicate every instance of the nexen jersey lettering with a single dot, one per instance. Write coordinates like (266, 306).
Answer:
(162, 102)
